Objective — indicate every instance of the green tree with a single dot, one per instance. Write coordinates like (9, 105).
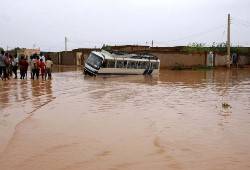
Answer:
(106, 47)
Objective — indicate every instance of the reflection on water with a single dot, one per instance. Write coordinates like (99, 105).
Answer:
(60, 68)
(174, 120)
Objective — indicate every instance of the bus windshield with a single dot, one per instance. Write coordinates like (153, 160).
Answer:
(94, 61)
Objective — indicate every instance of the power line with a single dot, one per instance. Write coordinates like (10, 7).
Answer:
(242, 20)
(195, 35)
(223, 35)
(242, 24)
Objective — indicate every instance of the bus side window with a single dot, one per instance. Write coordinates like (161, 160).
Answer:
(111, 64)
(134, 64)
(143, 64)
(140, 65)
(119, 64)
(153, 65)
(131, 64)
(156, 65)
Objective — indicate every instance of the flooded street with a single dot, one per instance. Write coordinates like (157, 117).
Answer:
(173, 121)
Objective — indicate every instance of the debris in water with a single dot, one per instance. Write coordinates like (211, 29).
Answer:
(226, 105)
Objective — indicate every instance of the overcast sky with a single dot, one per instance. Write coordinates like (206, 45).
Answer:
(90, 23)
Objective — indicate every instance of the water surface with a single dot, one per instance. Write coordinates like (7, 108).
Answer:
(172, 121)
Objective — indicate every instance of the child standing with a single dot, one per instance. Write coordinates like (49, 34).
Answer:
(26, 66)
(36, 67)
(42, 68)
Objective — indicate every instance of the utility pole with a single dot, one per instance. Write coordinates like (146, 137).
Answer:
(152, 43)
(66, 41)
(228, 41)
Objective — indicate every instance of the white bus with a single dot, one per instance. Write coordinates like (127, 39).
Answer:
(104, 62)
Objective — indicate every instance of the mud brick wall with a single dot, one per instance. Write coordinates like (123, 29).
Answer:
(68, 58)
(169, 59)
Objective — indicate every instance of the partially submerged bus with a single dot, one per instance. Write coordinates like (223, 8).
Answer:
(104, 62)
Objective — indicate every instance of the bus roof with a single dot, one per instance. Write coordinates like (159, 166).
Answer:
(112, 56)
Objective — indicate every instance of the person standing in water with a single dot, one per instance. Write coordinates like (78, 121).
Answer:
(31, 63)
(7, 65)
(3, 73)
(15, 66)
(26, 67)
(10, 65)
(42, 68)
(48, 64)
(23, 67)
(35, 66)
(235, 59)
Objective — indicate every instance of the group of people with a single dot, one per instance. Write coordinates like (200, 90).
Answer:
(39, 65)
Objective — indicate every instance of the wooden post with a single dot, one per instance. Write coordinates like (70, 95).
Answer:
(59, 58)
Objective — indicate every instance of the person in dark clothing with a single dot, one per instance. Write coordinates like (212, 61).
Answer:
(2, 65)
(235, 59)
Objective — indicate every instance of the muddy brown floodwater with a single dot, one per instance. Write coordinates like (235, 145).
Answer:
(173, 121)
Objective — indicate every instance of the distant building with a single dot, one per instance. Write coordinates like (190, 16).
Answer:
(27, 52)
